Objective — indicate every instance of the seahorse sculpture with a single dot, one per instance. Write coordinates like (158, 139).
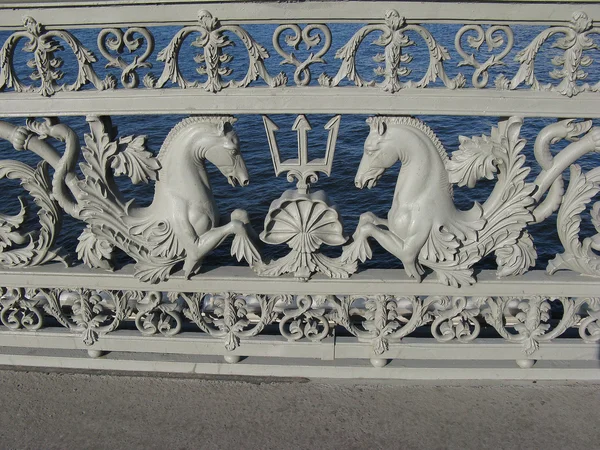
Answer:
(182, 224)
(424, 228)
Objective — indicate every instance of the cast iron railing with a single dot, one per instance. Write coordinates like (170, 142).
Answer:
(511, 60)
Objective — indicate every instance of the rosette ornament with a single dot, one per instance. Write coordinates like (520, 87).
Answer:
(304, 222)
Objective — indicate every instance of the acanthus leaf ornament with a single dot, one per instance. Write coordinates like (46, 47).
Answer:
(20, 248)
(166, 233)
(578, 256)
(227, 315)
(381, 320)
(301, 219)
(530, 320)
(212, 40)
(394, 39)
(44, 44)
(425, 229)
(87, 312)
(574, 42)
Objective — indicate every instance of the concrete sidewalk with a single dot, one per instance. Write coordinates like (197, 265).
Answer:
(42, 410)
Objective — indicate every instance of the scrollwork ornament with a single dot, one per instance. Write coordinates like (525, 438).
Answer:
(494, 40)
(307, 320)
(156, 316)
(212, 40)
(33, 248)
(44, 44)
(394, 39)
(579, 255)
(90, 313)
(531, 322)
(381, 319)
(116, 40)
(302, 74)
(18, 311)
(589, 326)
(576, 39)
(456, 318)
(226, 316)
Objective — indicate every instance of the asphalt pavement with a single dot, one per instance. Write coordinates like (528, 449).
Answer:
(57, 410)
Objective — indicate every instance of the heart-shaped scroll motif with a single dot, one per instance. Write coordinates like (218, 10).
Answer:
(114, 39)
(494, 40)
(321, 35)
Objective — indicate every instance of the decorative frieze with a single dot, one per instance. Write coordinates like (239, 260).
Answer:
(423, 229)
(235, 318)
(394, 33)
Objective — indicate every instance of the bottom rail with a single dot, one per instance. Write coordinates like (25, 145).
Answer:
(378, 316)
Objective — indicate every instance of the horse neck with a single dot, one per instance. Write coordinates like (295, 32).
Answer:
(183, 173)
(422, 167)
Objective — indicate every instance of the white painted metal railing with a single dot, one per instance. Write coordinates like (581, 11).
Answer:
(305, 304)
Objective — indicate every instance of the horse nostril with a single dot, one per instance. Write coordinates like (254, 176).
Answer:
(357, 184)
(245, 182)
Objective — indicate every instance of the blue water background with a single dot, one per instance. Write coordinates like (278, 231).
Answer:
(264, 186)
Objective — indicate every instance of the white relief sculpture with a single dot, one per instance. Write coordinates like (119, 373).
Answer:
(212, 40)
(570, 66)
(155, 316)
(116, 40)
(89, 313)
(533, 316)
(394, 39)
(19, 312)
(379, 320)
(494, 40)
(227, 317)
(456, 318)
(424, 229)
(589, 325)
(579, 256)
(423, 223)
(382, 320)
(20, 248)
(302, 74)
(45, 64)
(181, 224)
(309, 320)
(301, 219)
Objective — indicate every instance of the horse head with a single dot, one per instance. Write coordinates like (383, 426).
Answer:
(379, 154)
(222, 148)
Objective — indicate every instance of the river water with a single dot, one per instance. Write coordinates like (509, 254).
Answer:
(265, 187)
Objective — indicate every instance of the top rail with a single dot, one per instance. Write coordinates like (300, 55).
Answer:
(82, 14)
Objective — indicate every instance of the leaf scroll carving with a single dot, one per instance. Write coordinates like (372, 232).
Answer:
(575, 40)
(394, 39)
(212, 40)
(44, 44)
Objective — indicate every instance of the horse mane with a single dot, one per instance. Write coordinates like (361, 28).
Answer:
(419, 125)
(183, 124)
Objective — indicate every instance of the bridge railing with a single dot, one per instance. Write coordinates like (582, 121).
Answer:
(132, 275)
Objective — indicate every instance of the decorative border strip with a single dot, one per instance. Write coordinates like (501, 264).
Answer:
(395, 34)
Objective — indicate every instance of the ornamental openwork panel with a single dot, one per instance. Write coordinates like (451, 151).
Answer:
(295, 177)
(410, 56)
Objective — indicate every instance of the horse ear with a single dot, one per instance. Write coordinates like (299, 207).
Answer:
(221, 128)
(381, 128)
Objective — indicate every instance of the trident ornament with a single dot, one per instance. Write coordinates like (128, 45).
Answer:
(303, 220)
(301, 169)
